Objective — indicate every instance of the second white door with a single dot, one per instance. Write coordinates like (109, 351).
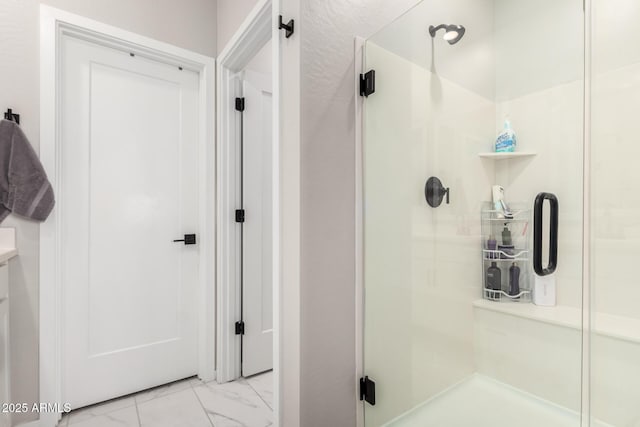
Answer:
(257, 295)
(129, 188)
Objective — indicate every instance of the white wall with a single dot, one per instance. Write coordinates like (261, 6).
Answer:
(231, 13)
(537, 45)
(189, 24)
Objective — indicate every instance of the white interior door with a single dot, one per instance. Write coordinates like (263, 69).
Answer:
(129, 185)
(257, 295)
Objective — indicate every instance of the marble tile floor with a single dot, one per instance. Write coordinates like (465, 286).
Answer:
(246, 402)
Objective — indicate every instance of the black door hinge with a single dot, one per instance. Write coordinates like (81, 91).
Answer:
(288, 27)
(239, 104)
(368, 83)
(240, 328)
(239, 215)
(368, 390)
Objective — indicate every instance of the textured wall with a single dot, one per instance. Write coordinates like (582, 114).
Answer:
(189, 24)
(19, 75)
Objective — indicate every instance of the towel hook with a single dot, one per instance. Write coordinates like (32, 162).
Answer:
(10, 115)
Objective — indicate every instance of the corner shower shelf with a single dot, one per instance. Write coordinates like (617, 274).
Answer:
(503, 156)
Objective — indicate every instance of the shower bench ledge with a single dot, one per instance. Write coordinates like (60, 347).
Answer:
(620, 327)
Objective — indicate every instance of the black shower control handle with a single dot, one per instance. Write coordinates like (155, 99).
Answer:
(435, 192)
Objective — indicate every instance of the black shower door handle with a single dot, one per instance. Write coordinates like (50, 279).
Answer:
(537, 234)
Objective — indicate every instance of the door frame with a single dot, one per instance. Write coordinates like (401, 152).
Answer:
(253, 34)
(53, 24)
(359, 113)
(260, 26)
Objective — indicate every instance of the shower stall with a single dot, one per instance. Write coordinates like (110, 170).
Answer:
(565, 74)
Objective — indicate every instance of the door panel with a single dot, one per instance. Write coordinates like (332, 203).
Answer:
(129, 188)
(257, 301)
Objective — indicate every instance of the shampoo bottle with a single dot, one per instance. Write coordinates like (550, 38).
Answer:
(514, 280)
(506, 236)
(506, 248)
(494, 281)
(492, 244)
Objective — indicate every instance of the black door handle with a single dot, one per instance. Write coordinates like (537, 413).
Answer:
(537, 234)
(189, 239)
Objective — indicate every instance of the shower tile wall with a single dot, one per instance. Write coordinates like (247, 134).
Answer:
(616, 196)
(549, 122)
(530, 355)
(540, 89)
(538, 117)
(546, 111)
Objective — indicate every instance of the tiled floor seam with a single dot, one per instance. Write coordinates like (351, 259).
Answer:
(138, 413)
(259, 395)
(202, 405)
(192, 385)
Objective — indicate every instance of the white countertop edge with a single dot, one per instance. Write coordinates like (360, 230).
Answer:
(7, 254)
(8, 247)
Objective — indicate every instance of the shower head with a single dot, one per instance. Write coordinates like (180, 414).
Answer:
(453, 33)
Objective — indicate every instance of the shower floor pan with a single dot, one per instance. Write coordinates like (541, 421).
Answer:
(480, 401)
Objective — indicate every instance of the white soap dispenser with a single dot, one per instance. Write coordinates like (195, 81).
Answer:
(544, 290)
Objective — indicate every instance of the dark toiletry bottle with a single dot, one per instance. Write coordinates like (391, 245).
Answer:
(492, 244)
(494, 280)
(506, 236)
(514, 279)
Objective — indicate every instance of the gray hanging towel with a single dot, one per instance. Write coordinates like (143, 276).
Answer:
(24, 187)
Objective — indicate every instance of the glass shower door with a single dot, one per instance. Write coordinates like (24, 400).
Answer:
(438, 352)
(615, 213)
